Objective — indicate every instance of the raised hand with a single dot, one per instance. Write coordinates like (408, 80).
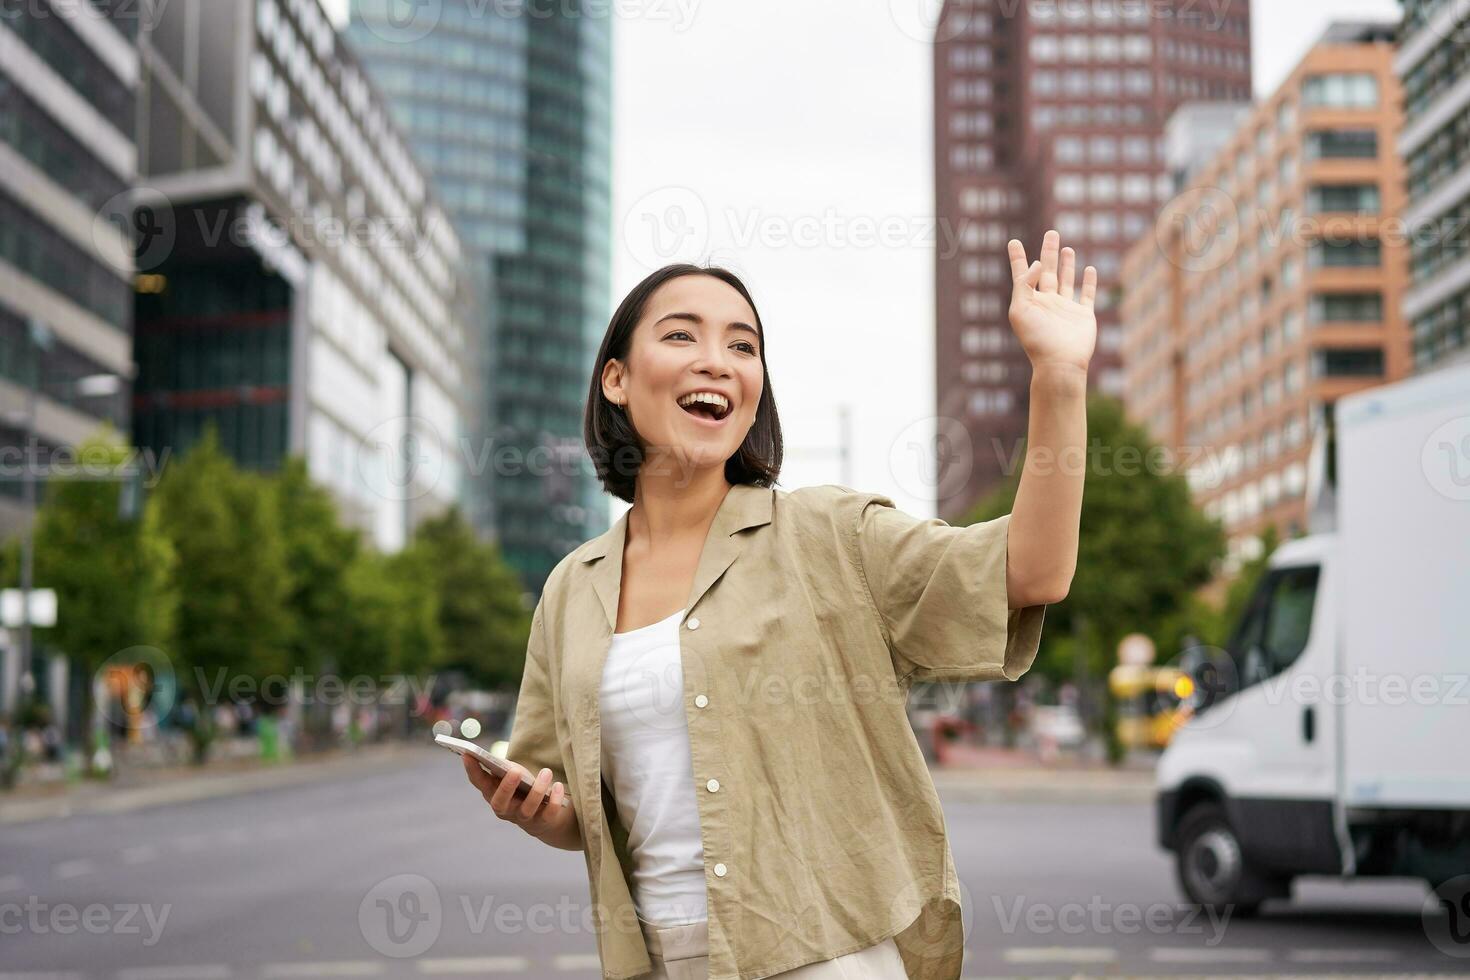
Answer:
(1052, 326)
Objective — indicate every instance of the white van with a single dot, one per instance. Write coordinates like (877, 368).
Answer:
(1334, 739)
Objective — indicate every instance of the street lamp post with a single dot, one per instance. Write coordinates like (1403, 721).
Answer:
(41, 339)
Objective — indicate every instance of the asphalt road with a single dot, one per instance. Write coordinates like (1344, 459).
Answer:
(402, 872)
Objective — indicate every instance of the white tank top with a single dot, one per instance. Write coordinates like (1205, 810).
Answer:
(646, 763)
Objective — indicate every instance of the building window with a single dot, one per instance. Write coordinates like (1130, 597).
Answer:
(1346, 255)
(1347, 308)
(1342, 144)
(1069, 188)
(1347, 362)
(1350, 198)
(1342, 90)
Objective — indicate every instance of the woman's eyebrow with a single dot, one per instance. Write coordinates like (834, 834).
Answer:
(696, 318)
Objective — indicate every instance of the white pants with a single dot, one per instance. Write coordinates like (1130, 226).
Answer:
(681, 952)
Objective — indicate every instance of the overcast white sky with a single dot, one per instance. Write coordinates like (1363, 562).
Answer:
(791, 141)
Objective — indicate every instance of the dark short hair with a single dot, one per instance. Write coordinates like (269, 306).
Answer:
(611, 440)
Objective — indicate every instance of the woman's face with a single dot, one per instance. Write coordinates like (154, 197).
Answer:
(697, 334)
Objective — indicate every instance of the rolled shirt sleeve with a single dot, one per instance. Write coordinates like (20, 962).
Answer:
(940, 594)
(533, 738)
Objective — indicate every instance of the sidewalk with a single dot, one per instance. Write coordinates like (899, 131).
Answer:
(1014, 776)
(143, 788)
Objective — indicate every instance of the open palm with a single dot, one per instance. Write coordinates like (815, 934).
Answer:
(1052, 326)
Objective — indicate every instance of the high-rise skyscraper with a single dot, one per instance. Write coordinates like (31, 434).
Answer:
(68, 78)
(1433, 65)
(299, 287)
(509, 108)
(1050, 114)
(1272, 287)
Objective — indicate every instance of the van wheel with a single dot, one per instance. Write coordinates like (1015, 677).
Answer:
(1211, 865)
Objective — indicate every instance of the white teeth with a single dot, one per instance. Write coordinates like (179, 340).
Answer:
(719, 401)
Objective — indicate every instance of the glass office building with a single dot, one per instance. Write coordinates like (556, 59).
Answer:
(68, 78)
(508, 106)
(302, 288)
(1433, 63)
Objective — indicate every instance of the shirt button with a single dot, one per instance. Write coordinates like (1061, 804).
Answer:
(712, 785)
(694, 622)
(700, 700)
(719, 871)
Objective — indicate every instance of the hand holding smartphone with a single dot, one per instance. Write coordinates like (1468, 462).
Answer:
(493, 765)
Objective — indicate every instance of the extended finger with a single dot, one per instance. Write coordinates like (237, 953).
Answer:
(1067, 274)
(1051, 244)
(1089, 286)
(503, 800)
(532, 802)
(1017, 253)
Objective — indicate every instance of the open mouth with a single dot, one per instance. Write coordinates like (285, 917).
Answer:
(716, 410)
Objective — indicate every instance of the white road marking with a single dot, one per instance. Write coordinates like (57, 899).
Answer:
(1060, 954)
(74, 869)
(1195, 954)
(140, 854)
(339, 968)
(1342, 955)
(207, 971)
(577, 961)
(475, 964)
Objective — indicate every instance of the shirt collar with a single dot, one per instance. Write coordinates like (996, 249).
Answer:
(744, 506)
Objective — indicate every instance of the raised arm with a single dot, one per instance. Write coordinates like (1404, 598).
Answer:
(1057, 329)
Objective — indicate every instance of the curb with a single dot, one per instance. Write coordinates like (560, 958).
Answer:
(102, 799)
(1045, 785)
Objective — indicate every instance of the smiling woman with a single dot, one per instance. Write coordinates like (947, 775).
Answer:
(681, 381)
(718, 682)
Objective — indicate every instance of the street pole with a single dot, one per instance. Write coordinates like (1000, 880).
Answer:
(40, 336)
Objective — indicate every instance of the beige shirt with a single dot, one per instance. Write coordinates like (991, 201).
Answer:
(811, 613)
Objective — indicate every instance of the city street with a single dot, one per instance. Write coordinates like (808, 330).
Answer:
(403, 873)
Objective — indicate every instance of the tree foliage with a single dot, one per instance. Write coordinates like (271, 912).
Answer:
(1144, 548)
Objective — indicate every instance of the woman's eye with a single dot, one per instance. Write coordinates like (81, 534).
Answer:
(749, 347)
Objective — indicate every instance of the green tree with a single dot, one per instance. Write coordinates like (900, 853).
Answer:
(1144, 548)
(113, 572)
(233, 580)
(392, 626)
(481, 611)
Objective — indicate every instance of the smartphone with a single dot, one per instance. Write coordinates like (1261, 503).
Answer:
(494, 765)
